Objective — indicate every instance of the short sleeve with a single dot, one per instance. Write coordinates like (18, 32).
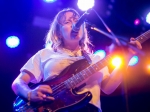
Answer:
(33, 67)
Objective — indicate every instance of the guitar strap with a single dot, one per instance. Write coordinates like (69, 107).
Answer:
(85, 54)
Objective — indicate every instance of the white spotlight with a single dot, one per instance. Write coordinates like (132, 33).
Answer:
(85, 4)
(12, 41)
(148, 18)
(49, 1)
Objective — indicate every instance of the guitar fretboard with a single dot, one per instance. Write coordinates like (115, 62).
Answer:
(84, 74)
(145, 36)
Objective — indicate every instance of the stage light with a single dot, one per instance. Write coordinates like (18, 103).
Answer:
(12, 41)
(148, 68)
(116, 61)
(137, 22)
(101, 53)
(133, 61)
(148, 18)
(50, 1)
(85, 4)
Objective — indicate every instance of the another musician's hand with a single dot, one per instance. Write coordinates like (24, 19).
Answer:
(41, 93)
(133, 41)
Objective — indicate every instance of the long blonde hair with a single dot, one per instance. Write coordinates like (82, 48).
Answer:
(53, 37)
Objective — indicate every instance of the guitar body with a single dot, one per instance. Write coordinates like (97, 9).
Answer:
(65, 99)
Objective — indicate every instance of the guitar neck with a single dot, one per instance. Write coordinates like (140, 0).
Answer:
(86, 73)
(143, 37)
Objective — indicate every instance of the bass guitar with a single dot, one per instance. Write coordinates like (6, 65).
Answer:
(64, 86)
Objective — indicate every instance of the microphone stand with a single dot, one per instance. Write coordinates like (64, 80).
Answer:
(121, 42)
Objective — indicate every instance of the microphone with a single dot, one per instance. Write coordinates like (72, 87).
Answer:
(76, 26)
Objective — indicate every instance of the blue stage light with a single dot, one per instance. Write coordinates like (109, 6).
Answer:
(133, 61)
(12, 41)
(101, 53)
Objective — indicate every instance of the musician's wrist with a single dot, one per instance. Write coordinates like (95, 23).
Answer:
(29, 96)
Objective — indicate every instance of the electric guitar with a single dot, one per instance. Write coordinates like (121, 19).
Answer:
(64, 86)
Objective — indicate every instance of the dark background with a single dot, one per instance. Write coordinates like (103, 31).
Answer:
(21, 18)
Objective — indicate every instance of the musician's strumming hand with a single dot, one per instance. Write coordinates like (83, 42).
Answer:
(41, 93)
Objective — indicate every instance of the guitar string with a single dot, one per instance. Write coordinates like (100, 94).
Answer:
(59, 86)
(54, 93)
(65, 83)
(56, 90)
(62, 84)
(75, 78)
(143, 34)
(26, 106)
(141, 39)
